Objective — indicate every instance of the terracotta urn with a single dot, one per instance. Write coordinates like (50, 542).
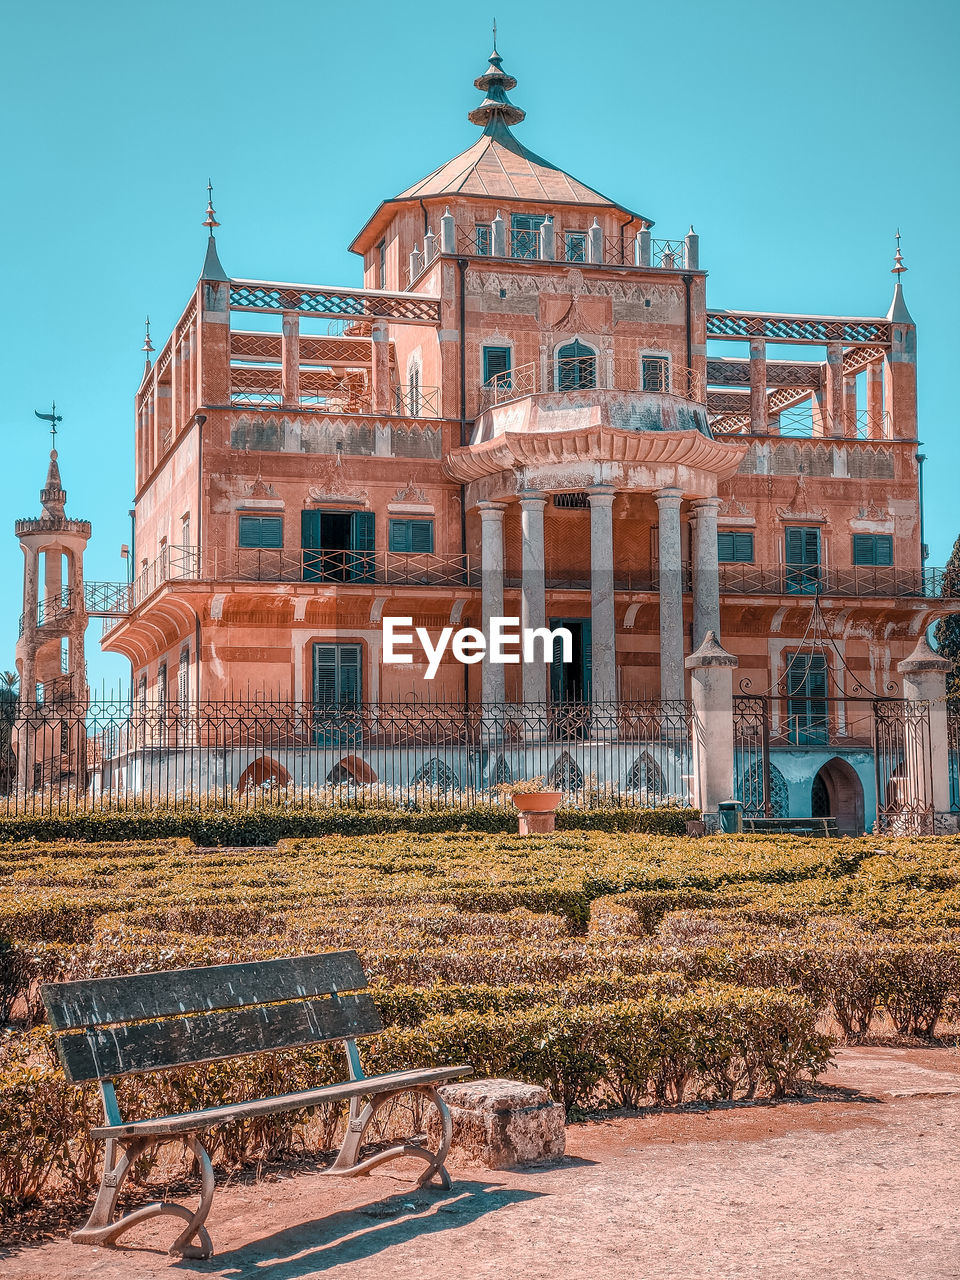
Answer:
(536, 801)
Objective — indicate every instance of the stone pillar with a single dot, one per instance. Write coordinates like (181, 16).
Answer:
(498, 236)
(691, 251)
(833, 388)
(643, 247)
(290, 377)
(850, 407)
(711, 692)
(492, 684)
(875, 423)
(602, 603)
(925, 680)
(533, 599)
(448, 233)
(548, 239)
(429, 247)
(706, 570)
(758, 387)
(671, 594)
(380, 367)
(595, 243)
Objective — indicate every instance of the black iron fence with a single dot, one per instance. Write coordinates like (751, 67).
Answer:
(62, 757)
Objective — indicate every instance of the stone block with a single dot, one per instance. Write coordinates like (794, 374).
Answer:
(502, 1124)
(537, 824)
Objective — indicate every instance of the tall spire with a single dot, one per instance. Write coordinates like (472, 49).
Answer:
(898, 312)
(52, 495)
(496, 108)
(147, 348)
(212, 268)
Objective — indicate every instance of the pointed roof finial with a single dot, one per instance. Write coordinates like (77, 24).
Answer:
(496, 108)
(147, 344)
(211, 218)
(52, 495)
(53, 418)
(898, 268)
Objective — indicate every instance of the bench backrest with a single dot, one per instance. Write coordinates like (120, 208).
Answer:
(151, 1021)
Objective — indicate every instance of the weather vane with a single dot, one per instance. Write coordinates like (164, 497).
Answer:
(53, 418)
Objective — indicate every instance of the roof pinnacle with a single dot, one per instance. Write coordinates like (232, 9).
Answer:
(211, 218)
(52, 495)
(496, 107)
(212, 267)
(899, 312)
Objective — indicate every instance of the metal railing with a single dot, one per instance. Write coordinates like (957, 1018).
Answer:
(411, 400)
(859, 581)
(73, 756)
(800, 423)
(641, 374)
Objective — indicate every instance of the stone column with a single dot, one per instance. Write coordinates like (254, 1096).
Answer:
(643, 247)
(602, 604)
(875, 400)
(925, 680)
(290, 349)
(833, 387)
(850, 407)
(492, 684)
(380, 367)
(671, 594)
(706, 570)
(758, 387)
(711, 692)
(533, 600)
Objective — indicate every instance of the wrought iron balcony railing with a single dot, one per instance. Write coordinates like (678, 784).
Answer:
(656, 374)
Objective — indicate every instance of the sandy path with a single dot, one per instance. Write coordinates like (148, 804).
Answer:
(861, 1186)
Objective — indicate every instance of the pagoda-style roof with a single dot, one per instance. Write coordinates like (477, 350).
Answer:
(497, 166)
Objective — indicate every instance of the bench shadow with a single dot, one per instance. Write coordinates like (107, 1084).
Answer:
(352, 1235)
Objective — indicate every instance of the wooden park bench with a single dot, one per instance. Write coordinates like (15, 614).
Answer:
(111, 1027)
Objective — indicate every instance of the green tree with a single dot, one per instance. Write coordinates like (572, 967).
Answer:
(947, 631)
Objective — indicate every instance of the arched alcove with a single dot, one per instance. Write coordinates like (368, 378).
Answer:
(837, 792)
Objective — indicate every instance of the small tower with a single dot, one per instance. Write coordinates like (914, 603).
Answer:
(50, 651)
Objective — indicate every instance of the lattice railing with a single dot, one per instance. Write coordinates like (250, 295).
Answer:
(583, 373)
(778, 328)
(251, 295)
(414, 401)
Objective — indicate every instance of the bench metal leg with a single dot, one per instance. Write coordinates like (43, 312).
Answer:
(347, 1164)
(103, 1228)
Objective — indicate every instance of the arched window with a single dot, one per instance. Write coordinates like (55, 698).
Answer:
(435, 774)
(576, 366)
(566, 774)
(647, 777)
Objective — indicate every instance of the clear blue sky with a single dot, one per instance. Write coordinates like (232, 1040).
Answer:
(796, 138)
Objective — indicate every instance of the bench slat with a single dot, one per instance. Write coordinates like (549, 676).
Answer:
(133, 997)
(101, 1053)
(193, 1121)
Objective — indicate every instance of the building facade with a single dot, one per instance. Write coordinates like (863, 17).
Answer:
(519, 413)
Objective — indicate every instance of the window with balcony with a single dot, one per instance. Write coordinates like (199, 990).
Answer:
(412, 536)
(338, 546)
(496, 364)
(734, 547)
(802, 558)
(807, 699)
(576, 367)
(525, 235)
(483, 239)
(655, 373)
(260, 531)
(575, 246)
(874, 549)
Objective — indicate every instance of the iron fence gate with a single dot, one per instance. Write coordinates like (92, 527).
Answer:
(73, 756)
(904, 767)
(751, 754)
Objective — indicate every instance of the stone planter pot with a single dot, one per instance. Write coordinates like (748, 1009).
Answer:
(536, 801)
(537, 811)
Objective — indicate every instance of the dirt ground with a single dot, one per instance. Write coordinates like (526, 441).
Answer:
(862, 1183)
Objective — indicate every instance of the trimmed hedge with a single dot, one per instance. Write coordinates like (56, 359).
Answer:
(266, 825)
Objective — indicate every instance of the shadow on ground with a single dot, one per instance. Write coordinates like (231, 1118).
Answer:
(311, 1248)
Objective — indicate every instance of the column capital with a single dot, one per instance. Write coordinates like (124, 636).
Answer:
(704, 506)
(599, 494)
(668, 497)
(491, 510)
(531, 497)
(923, 661)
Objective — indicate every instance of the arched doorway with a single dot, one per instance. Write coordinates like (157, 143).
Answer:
(261, 771)
(838, 793)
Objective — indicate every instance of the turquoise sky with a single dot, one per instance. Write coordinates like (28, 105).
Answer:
(796, 138)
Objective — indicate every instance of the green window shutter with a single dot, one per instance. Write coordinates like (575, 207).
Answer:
(734, 547)
(421, 535)
(362, 531)
(350, 670)
(249, 534)
(310, 529)
(324, 674)
(399, 535)
(496, 360)
(802, 545)
(586, 641)
(872, 549)
(261, 531)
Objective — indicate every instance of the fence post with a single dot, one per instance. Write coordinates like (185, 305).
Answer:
(925, 681)
(711, 691)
